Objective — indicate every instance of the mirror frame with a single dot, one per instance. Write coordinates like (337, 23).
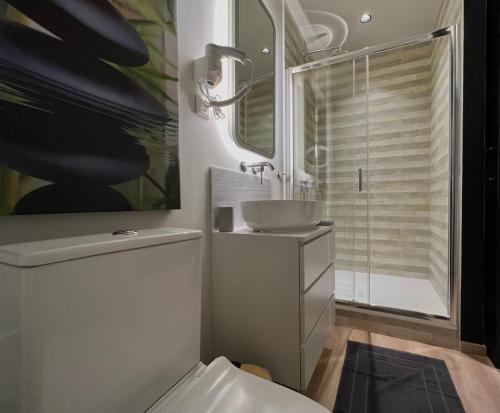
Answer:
(234, 113)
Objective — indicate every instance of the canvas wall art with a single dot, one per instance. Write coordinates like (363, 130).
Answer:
(88, 106)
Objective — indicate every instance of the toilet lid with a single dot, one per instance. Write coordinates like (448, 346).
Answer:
(223, 388)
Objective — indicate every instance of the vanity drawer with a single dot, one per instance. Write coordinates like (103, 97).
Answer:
(314, 302)
(312, 349)
(316, 257)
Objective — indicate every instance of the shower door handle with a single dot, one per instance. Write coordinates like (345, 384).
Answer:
(360, 180)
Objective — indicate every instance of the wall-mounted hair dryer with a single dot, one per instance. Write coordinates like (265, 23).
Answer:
(208, 73)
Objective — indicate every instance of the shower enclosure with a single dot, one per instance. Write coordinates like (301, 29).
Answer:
(373, 137)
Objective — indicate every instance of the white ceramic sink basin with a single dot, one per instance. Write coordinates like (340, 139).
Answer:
(282, 215)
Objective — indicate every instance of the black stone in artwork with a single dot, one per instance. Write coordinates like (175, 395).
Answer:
(71, 119)
(46, 64)
(58, 199)
(92, 26)
(56, 153)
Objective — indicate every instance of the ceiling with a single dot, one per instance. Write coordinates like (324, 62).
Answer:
(392, 19)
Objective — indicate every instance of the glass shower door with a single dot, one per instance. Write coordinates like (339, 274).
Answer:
(359, 131)
(409, 168)
(373, 138)
(330, 162)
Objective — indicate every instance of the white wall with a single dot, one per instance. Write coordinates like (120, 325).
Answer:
(202, 144)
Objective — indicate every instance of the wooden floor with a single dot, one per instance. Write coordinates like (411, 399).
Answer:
(476, 380)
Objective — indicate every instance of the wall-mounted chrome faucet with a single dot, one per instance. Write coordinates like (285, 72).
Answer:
(256, 167)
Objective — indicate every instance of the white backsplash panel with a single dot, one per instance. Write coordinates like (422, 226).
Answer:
(229, 188)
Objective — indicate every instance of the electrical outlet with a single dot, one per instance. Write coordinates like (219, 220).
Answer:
(202, 108)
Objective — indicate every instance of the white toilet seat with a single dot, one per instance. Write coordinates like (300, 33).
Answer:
(223, 388)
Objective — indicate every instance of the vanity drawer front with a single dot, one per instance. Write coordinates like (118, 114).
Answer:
(316, 257)
(314, 302)
(312, 349)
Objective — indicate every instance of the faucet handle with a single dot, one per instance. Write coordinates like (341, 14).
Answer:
(243, 166)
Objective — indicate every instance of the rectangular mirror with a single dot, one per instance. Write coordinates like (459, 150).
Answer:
(253, 117)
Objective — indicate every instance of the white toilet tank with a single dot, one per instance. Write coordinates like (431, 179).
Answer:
(98, 323)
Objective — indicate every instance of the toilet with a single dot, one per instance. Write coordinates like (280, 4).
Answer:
(222, 388)
(109, 323)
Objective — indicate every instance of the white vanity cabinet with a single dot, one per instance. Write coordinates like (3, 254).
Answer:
(273, 298)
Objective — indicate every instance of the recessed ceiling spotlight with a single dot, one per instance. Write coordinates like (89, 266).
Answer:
(266, 51)
(366, 18)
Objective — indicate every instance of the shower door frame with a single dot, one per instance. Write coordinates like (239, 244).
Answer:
(455, 158)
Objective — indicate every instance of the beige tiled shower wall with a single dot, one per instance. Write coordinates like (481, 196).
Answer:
(399, 161)
(450, 14)
(257, 115)
(440, 167)
(395, 115)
